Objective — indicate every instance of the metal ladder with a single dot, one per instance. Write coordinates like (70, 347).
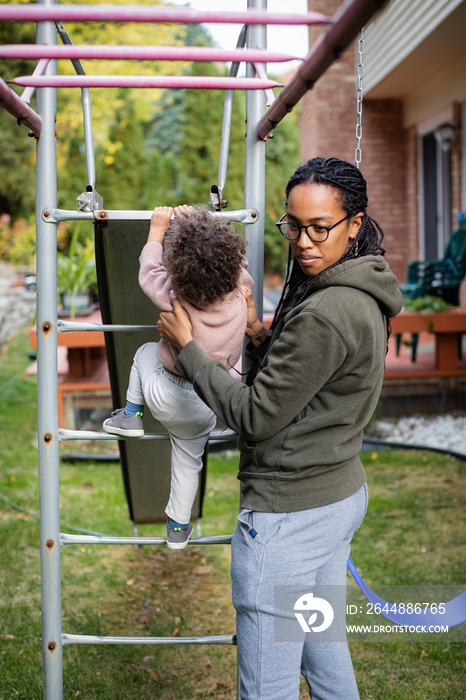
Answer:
(48, 326)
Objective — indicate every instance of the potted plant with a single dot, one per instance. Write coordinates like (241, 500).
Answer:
(76, 274)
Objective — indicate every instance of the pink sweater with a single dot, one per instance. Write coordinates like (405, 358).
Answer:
(219, 330)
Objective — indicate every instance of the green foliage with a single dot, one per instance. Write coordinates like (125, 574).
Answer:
(281, 160)
(152, 147)
(185, 136)
(17, 241)
(76, 271)
(17, 154)
(427, 303)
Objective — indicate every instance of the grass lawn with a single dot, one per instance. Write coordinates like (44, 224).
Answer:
(413, 534)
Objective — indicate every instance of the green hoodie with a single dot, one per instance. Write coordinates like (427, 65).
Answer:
(301, 424)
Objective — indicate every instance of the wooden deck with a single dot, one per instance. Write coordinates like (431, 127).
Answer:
(435, 383)
(82, 367)
(439, 335)
(421, 386)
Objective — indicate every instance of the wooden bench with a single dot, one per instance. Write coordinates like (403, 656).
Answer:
(446, 328)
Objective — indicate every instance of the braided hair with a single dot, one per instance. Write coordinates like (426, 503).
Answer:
(351, 190)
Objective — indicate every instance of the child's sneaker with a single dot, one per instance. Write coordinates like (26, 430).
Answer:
(128, 426)
(178, 537)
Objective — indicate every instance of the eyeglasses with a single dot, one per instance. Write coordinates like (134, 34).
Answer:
(292, 230)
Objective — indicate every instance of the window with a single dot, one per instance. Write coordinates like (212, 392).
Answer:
(436, 195)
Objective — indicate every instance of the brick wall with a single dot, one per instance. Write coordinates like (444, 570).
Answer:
(412, 192)
(384, 167)
(328, 128)
(328, 112)
(389, 152)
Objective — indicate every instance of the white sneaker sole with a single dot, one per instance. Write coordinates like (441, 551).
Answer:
(120, 431)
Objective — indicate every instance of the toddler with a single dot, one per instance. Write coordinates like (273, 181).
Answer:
(204, 266)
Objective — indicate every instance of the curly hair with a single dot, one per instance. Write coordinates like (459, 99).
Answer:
(203, 256)
(351, 189)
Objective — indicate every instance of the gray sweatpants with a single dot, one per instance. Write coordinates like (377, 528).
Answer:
(303, 548)
(186, 418)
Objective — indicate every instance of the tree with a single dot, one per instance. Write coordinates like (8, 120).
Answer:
(17, 155)
(152, 147)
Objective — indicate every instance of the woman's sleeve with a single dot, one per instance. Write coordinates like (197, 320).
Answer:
(309, 350)
(154, 279)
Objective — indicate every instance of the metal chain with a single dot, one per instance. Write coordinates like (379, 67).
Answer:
(357, 152)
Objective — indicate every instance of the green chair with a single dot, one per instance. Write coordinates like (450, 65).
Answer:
(441, 278)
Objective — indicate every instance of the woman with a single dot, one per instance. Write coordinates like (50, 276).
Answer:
(313, 387)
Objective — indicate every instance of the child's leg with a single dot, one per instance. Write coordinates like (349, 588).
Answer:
(186, 463)
(184, 415)
(144, 364)
(128, 421)
(189, 422)
(189, 431)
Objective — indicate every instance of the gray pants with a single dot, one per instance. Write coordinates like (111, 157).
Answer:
(186, 418)
(303, 548)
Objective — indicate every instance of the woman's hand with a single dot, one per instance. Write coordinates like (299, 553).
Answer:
(175, 326)
(255, 331)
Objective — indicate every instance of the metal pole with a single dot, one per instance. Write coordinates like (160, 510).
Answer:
(227, 113)
(207, 82)
(143, 53)
(148, 13)
(47, 384)
(87, 111)
(13, 104)
(254, 172)
(254, 183)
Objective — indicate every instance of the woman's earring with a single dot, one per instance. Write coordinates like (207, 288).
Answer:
(356, 249)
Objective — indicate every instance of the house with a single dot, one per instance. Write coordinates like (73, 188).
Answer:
(413, 123)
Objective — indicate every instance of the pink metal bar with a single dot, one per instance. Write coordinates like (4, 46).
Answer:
(347, 24)
(142, 53)
(13, 104)
(146, 81)
(39, 70)
(269, 95)
(148, 13)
